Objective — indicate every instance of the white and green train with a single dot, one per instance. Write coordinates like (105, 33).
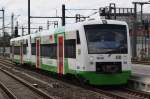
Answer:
(97, 51)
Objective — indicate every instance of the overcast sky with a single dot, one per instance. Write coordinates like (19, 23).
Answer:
(49, 7)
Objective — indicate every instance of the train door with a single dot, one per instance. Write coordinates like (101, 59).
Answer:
(21, 53)
(38, 53)
(60, 54)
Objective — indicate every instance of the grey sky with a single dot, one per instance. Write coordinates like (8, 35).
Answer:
(48, 7)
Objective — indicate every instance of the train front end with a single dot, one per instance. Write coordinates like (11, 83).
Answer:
(108, 59)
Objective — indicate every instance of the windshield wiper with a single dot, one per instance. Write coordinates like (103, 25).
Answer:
(119, 51)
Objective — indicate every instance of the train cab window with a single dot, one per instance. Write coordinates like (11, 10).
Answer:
(70, 48)
(78, 37)
(49, 50)
(33, 49)
(107, 39)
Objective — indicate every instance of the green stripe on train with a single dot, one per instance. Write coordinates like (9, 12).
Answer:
(48, 68)
(105, 79)
(16, 60)
(54, 68)
(93, 77)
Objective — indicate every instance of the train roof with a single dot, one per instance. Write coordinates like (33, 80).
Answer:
(70, 27)
(20, 38)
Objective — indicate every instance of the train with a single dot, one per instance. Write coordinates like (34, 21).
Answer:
(96, 51)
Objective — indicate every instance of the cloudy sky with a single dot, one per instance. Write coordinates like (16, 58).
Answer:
(50, 7)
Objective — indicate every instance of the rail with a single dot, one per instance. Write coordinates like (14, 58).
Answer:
(41, 93)
(122, 93)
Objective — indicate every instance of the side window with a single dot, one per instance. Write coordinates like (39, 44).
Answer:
(49, 50)
(78, 37)
(33, 49)
(25, 48)
(11, 47)
(70, 48)
(17, 50)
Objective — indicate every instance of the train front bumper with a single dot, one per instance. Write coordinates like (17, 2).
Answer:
(105, 79)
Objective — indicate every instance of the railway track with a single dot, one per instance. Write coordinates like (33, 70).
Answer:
(5, 93)
(53, 85)
(17, 88)
(127, 94)
(121, 93)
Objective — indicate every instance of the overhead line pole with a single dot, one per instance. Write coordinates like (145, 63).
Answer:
(3, 22)
(12, 24)
(134, 38)
(141, 12)
(63, 15)
(3, 29)
(29, 17)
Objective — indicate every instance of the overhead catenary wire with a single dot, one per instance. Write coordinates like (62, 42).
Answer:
(81, 9)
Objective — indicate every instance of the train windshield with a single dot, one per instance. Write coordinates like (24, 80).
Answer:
(106, 39)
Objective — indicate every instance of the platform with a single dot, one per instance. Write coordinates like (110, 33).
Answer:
(140, 77)
(142, 70)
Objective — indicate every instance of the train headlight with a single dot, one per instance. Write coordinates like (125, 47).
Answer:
(91, 58)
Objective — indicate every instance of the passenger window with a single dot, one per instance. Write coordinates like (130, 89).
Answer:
(49, 50)
(25, 48)
(70, 48)
(33, 49)
(78, 37)
(17, 50)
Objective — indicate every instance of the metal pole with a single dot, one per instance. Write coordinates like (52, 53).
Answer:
(63, 15)
(141, 12)
(145, 38)
(12, 25)
(148, 49)
(143, 35)
(134, 39)
(3, 25)
(148, 42)
(28, 16)
(16, 29)
(22, 31)
(142, 45)
(135, 11)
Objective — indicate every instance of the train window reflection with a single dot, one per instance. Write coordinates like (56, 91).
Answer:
(106, 38)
